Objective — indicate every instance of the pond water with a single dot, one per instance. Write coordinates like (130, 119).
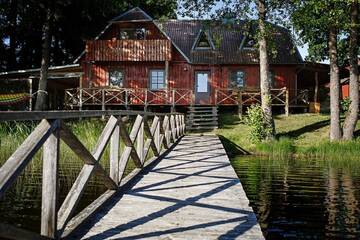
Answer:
(293, 199)
(302, 199)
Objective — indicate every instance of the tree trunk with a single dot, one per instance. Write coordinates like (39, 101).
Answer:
(42, 89)
(265, 84)
(335, 130)
(352, 115)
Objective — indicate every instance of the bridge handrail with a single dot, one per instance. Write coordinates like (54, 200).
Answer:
(69, 114)
(159, 136)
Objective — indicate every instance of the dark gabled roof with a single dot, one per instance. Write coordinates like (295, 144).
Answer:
(134, 14)
(227, 38)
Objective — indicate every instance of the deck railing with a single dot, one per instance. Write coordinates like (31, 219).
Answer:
(279, 97)
(157, 132)
(78, 97)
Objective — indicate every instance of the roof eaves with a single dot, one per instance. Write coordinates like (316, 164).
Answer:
(38, 69)
(132, 10)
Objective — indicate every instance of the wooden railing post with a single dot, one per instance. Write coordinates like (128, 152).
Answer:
(173, 101)
(184, 125)
(126, 99)
(50, 186)
(103, 102)
(157, 136)
(172, 129)
(216, 96)
(140, 142)
(240, 106)
(114, 155)
(287, 102)
(80, 98)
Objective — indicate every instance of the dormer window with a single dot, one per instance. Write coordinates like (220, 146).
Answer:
(248, 42)
(134, 34)
(203, 41)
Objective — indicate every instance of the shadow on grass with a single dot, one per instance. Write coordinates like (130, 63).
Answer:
(228, 119)
(231, 148)
(305, 129)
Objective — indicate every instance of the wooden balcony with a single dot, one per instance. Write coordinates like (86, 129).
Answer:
(128, 50)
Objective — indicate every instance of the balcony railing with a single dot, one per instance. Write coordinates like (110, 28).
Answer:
(128, 50)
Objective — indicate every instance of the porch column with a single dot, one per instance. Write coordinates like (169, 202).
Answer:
(316, 90)
(80, 92)
(30, 93)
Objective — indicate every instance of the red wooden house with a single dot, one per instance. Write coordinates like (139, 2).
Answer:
(137, 60)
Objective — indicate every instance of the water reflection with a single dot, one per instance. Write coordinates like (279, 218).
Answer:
(302, 199)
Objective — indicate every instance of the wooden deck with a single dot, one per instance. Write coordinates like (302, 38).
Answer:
(192, 193)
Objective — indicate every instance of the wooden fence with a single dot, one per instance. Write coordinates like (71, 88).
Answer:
(159, 136)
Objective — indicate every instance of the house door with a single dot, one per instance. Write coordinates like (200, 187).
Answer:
(202, 88)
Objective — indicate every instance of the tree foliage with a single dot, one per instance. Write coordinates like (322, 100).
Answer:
(73, 22)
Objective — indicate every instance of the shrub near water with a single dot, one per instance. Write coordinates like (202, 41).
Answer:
(255, 120)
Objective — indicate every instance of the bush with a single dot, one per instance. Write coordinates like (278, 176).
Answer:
(345, 104)
(255, 120)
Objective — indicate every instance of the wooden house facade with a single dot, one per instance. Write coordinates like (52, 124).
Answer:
(137, 60)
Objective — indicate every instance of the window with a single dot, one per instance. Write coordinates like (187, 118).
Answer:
(135, 34)
(116, 78)
(237, 79)
(248, 42)
(157, 79)
(203, 41)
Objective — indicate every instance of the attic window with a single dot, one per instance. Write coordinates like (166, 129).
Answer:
(248, 42)
(135, 34)
(203, 41)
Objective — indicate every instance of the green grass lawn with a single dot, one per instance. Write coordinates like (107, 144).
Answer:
(298, 134)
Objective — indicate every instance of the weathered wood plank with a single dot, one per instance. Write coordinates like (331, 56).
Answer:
(114, 155)
(76, 191)
(140, 143)
(13, 167)
(182, 197)
(79, 149)
(50, 185)
(85, 214)
(39, 115)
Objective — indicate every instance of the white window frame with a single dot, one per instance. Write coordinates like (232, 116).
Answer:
(157, 83)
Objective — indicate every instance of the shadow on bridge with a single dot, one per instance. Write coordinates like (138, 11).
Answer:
(193, 178)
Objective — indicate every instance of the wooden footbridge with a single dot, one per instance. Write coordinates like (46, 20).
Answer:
(186, 190)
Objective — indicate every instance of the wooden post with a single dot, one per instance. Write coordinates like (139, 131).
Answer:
(50, 185)
(103, 102)
(157, 136)
(316, 90)
(240, 107)
(30, 93)
(216, 96)
(126, 99)
(167, 72)
(114, 155)
(287, 102)
(140, 142)
(173, 101)
(80, 99)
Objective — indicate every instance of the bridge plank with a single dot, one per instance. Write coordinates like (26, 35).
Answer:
(193, 193)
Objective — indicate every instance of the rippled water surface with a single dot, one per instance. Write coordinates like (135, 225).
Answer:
(302, 199)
